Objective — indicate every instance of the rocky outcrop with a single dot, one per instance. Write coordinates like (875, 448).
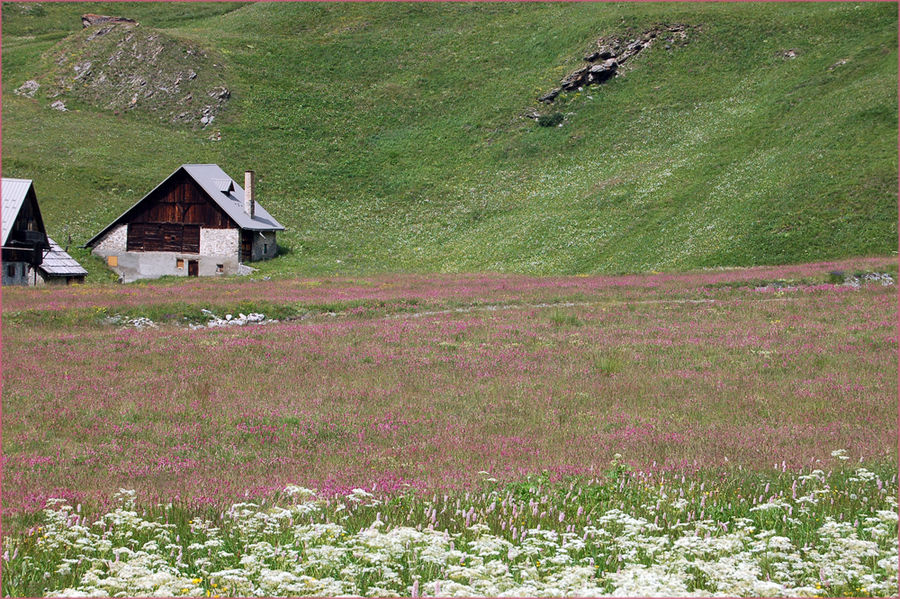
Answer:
(611, 53)
(595, 73)
(550, 95)
(90, 19)
(28, 88)
(118, 66)
(575, 79)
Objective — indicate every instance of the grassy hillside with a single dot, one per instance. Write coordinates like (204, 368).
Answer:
(390, 137)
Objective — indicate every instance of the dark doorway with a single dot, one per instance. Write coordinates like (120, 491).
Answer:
(246, 245)
(193, 268)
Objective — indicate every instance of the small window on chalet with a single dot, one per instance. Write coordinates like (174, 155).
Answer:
(112, 260)
(179, 263)
(220, 268)
(11, 270)
(265, 248)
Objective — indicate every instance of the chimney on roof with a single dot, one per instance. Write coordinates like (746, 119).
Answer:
(250, 193)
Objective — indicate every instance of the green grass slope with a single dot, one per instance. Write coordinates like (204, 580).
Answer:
(390, 137)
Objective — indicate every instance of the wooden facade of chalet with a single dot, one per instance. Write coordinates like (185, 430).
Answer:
(170, 218)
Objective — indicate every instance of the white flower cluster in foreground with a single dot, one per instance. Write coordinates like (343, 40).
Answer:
(314, 547)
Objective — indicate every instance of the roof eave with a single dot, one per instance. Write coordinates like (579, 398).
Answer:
(278, 228)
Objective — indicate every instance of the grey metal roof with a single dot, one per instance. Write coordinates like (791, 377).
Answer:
(58, 263)
(13, 192)
(216, 183)
(224, 185)
(212, 179)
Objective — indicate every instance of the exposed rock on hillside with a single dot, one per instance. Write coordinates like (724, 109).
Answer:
(90, 20)
(118, 65)
(28, 89)
(612, 52)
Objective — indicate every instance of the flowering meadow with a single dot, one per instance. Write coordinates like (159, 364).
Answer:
(631, 534)
(416, 289)
(755, 409)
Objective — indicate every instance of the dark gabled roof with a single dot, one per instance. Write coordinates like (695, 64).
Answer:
(14, 192)
(58, 263)
(223, 190)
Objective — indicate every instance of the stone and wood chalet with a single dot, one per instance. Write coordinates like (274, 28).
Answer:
(197, 222)
(30, 257)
